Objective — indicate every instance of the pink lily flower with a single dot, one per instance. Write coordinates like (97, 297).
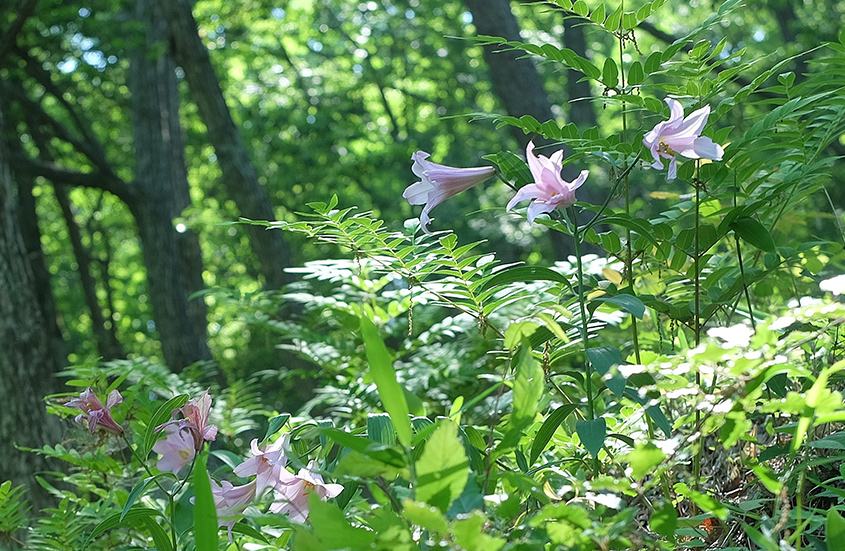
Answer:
(96, 414)
(681, 136)
(230, 501)
(267, 464)
(549, 190)
(195, 415)
(176, 450)
(197, 412)
(292, 498)
(439, 182)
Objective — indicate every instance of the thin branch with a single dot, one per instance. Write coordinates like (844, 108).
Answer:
(62, 176)
(8, 39)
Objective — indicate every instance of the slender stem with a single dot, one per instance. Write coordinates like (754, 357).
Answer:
(629, 258)
(745, 285)
(696, 467)
(170, 495)
(588, 383)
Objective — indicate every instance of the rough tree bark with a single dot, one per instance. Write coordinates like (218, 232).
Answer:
(173, 259)
(239, 174)
(27, 365)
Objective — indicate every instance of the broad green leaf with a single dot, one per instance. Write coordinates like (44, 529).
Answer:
(548, 428)
(469, 534)
(834, 527)
(161, 538)
(161, 416)
(598, 15)
(134, 517)
(443, 467)
(276, 423)
(629, 303)
(704, 501)
(136, 492)
(528, 386)
(391, 394)
(380, 429)
(636, 76)
(614, 19)
(602, 358)
(380, 452)
(332, 528)
(512, 167)
(525, 274)
(610, 74)
(425, 516)
(754, 233)
(517, 331)
(664, 520)
(205, 513)
(643, 460)
(592, 433)
(768, 478)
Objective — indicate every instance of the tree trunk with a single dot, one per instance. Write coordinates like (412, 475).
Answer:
(31, 234)
(515, 79)
(518, 86)
(27, 364)
(239, 174)
(173, 259)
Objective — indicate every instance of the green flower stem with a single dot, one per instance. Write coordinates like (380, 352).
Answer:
(170, 495)
(629, 258)
(696, 464)
(585, 337)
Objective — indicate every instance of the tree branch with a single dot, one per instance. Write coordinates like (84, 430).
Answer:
(62, 176)
(25, 11)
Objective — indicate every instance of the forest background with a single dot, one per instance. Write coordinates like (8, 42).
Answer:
(138, 132)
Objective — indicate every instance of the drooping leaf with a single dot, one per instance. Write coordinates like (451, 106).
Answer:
(752, 231)
(205, 513)
(592, 433)
(161, 416)
(548, 428)
(664, 520)
(834, 527)
(629, 303)
(391, 394)
(276, 423)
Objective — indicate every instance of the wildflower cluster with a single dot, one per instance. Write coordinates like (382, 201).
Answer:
(678, 136)
(185, 436)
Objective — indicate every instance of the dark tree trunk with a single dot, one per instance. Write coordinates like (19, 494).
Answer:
(519, 87)
(515, 79)
(107, 344)
(27, 364)
(28, 224)
(239, 174)
(173, 259)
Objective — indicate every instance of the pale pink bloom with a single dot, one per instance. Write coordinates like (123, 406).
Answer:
(195, 415)
(197, 412)
(96, 414)
(292, 498)
(549, 190)
(681, 136)
(230, 501)
(176, 450)
(267, 464)
(439, 182)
